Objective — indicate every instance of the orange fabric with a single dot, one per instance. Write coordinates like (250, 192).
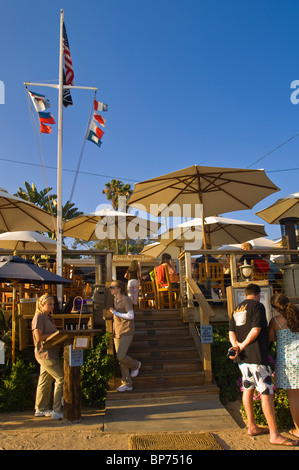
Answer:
(160, 273)
(262, 265)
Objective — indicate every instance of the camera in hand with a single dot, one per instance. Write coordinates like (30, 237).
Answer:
(231, 353)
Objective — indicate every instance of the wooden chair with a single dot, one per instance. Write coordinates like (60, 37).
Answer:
(148, 294)
(167, 295)
(215, 275)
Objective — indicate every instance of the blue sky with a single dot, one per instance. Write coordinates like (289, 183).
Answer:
(195, 82)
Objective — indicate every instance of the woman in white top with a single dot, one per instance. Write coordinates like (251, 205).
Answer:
(284, 330)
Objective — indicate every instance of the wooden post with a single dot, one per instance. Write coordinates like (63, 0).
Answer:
(72, 389)
(72, 384)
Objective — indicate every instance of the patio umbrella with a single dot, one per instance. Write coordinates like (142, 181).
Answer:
(105, 223)
(260, 243)
(205, 191)
(157, 249)
(18, 214)
(287, 206)
(285, 211)
(219, 231)
(27, 240)
(17, 270)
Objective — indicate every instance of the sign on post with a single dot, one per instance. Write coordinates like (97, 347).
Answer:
(76, 357)
(206, 333)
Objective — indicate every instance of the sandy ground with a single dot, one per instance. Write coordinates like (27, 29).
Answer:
(44, 434)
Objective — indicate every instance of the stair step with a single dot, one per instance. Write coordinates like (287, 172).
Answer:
(160, 366)
(167, 331)
(174, 342)
(167, 380)
(164, 354)
(139, 397)
(159, 312)
(158, 323)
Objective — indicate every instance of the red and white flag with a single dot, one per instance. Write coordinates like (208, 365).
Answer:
(69, 72)
(96, 130)
(98, 106)
(100, 119)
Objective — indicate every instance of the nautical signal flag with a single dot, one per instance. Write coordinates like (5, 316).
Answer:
(40, 102)
(45, 129)
(46, 118)
(98, 106)
(95, 134)
(100, 119)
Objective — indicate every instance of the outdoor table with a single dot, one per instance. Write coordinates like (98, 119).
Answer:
(72, 387)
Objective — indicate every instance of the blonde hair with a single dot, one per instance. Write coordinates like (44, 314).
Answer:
(41, 301)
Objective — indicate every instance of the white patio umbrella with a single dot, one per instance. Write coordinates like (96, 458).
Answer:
(27, 240)
(106, 223)
(219, 231)
(18, 214)
(257, 244)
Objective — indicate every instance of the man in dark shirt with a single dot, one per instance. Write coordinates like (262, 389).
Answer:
(248, 334)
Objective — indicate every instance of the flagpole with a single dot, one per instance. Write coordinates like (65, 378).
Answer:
(59, 163)
(61, 87)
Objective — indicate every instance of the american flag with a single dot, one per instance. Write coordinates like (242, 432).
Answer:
(69, 72)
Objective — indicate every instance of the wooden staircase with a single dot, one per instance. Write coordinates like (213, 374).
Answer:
(171, 362)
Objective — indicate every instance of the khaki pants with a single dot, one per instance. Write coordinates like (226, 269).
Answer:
(50, 370)
(125, 362)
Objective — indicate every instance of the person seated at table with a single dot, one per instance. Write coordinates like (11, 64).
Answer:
(173, 274)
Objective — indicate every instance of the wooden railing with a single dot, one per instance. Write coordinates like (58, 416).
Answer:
(195, 315)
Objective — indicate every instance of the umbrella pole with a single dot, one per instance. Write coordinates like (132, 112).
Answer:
(13, 333)
(204, 240)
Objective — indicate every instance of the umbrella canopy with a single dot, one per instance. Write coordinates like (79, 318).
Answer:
(217, 189)
(23, 271)
(222, 230)
(105, 223)
(257, 244)
(18, 214)
(285, 207)
(157, 249)
(26, 240)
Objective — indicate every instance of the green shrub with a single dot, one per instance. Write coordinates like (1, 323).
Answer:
(16, 387)
(226, 373)
(97, 369)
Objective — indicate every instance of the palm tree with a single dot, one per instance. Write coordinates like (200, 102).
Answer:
(48, 202)
(113, 191)
(117, 188)
(42, 198)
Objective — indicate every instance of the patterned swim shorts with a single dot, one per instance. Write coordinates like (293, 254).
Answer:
(258, 377)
